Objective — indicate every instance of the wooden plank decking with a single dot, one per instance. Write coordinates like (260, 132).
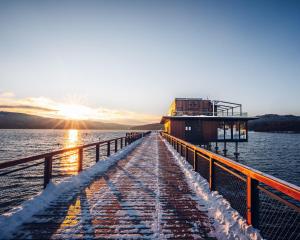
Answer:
(144, 196)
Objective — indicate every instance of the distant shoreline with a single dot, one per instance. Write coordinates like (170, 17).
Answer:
(271, 123)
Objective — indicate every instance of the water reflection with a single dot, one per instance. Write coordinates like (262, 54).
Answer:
(69, 163)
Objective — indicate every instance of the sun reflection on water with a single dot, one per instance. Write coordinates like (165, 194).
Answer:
(69, 163)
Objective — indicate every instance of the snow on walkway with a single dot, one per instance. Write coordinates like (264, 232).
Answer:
(145, 195)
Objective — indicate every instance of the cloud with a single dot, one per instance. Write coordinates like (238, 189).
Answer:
(27, 107)
(6, 94)
(47, 107)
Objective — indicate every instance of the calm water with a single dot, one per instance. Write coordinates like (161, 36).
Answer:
(19, 143)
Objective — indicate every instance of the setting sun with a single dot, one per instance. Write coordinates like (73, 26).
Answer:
(74, 111)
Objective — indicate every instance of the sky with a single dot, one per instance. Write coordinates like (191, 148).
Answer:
(125, 61)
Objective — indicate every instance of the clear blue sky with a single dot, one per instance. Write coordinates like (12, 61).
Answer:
(138, 55)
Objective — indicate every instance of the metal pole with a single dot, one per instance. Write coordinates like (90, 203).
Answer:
(211, 174)
(252, 202)
(108, 148)
(97, 152)
(195, 161)
(80, 158)
(47, 170)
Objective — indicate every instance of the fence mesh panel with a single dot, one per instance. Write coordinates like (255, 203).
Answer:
(203, 166)
(277, 220)
(190, 156)
(232, 188)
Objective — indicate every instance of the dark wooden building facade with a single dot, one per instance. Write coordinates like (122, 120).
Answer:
(203, 121)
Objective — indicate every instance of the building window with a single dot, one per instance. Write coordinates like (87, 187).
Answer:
(188, 128)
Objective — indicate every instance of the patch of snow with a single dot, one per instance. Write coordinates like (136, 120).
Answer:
(19, 215)
(228, 223)
(158, 210)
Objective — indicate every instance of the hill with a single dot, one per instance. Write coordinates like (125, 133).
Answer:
(152, 126)
(12, 120)
(275, 123)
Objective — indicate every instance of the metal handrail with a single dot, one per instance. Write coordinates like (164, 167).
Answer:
(253, 177)
(48, 157)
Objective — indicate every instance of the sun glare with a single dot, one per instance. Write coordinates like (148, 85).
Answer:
(73, 111)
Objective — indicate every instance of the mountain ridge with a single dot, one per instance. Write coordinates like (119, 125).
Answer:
(14, 120)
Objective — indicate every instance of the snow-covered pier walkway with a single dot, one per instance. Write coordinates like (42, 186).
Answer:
(143, 196)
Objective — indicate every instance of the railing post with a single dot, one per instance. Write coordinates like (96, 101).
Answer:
(186, 154)
(116, 145)
(252, 202)
(97, 152)
(80, 158)
(47, 170)
(121, 143)
(212, 186)
(181, 152)
(195, 161)
(108, 148)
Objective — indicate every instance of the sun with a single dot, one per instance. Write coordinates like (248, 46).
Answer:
(74, 111)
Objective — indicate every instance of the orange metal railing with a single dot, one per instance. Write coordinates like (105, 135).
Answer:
(30, 170)
(268, 203)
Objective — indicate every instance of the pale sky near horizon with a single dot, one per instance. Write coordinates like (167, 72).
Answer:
(125, 61)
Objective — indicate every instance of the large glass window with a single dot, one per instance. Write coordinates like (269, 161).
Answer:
(227, 131)
(235, 130)
(243, 130)
(220, 130)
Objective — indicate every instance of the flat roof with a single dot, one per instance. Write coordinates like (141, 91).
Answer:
(191, 99)
(206, 117)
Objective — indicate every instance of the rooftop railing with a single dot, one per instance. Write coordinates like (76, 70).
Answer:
(23, 178)
(268, 203)
(210, 113)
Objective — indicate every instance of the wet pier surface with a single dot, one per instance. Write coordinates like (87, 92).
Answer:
(143, 196)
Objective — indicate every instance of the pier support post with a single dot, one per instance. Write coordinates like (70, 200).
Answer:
(108, 148)
(209, 146)
(225, 149)
(217, 148)
(47, 170)
(80, 159)
(181, 152)
(252, 202)
(97, 152)
(236, 153)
